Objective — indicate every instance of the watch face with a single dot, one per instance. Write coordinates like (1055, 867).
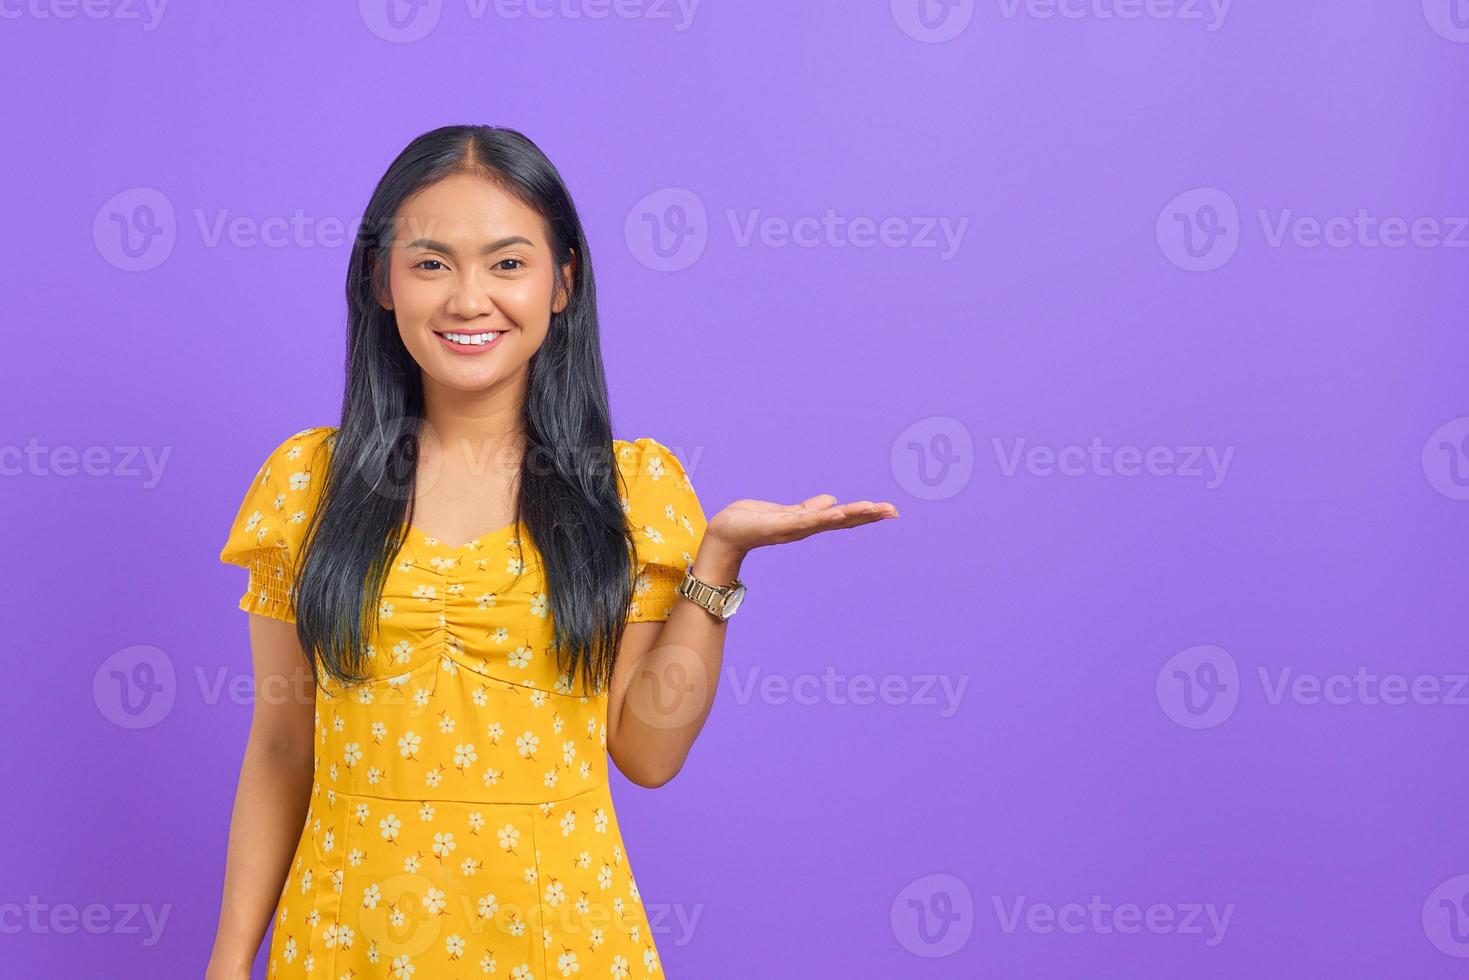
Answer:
(732, 601)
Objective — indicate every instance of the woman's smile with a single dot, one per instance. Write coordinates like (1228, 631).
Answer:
(466, 342)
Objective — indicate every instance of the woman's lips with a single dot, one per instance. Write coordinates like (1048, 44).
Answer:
(460, 348)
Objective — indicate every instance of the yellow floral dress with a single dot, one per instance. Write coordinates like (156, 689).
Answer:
(460, 821)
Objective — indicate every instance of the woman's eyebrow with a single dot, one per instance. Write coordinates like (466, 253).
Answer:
(494, 246)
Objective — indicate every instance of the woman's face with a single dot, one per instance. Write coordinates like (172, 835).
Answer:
(470, 277)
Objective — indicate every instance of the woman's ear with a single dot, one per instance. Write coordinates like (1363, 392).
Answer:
(568, 277)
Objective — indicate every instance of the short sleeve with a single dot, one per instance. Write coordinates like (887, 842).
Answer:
(270, 525)
(667, 524)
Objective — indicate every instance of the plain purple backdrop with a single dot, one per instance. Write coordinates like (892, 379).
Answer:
(1168, 677)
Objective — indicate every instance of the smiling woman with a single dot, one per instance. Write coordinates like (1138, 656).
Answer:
(474, 571)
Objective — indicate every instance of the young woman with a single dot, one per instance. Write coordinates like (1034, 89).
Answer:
(466, 596)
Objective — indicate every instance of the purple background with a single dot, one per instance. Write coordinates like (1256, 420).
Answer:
(1075, 763)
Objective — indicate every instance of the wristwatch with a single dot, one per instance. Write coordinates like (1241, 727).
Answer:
(720, 601)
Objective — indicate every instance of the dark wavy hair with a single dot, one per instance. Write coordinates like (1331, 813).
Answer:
(568, 496)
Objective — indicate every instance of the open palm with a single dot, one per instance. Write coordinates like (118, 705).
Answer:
(748, 524)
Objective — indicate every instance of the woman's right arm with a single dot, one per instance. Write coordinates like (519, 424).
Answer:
(272, 798)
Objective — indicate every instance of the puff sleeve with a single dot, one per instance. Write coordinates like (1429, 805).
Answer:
(667, 524)
(268, 529)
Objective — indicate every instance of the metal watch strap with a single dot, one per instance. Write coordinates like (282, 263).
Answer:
(703, 593)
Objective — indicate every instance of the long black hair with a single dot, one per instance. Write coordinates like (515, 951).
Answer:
(568, 498)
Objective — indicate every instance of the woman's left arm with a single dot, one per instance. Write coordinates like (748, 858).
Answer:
(667, 673)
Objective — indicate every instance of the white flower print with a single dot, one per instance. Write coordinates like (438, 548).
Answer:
(390, 826)
(567, 963)
(402, 968)
(540, 605)
(568, 823)
(464, 757)
(434, 901)
(371, 896)
(455, 946)
(526, 744)
(443, 845)
(408, 745)
(520, 657)
(619, 967)
(509, 836)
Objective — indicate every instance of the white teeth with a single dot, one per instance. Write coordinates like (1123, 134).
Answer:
(471, 338)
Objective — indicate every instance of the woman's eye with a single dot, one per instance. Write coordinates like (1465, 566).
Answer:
(517, 268)
(425, 262)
